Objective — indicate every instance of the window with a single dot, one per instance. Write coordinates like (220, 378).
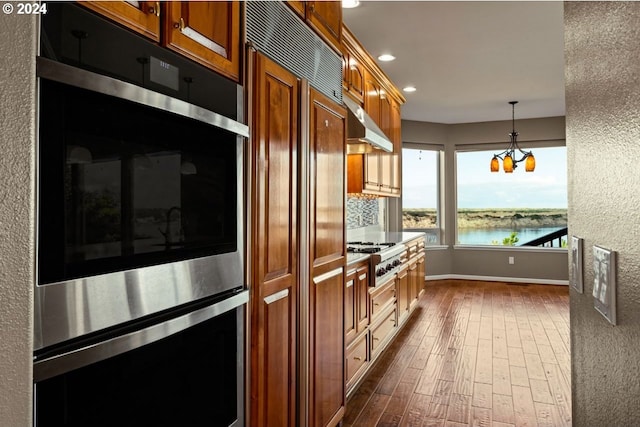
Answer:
(420, 192)
(511, 209)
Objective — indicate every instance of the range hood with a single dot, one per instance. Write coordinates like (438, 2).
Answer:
(363, 135)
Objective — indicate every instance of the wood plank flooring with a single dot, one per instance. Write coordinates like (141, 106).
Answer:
(473, 354)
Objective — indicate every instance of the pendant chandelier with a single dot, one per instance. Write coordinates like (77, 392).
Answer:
(508, 156)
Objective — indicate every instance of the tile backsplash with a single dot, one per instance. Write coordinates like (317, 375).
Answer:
(362, 211)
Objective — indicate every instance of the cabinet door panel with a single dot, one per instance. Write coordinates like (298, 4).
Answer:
(327, 260)
(143, 18)
(327, 170)
(326, 18)
(207, 32)
(362, 298)
(328, 348)
(350, 309)
(277, 398)
(274, 257)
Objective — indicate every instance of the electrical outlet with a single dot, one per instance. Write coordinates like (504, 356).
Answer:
(512, 260)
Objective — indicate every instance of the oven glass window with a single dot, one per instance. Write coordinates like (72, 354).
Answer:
(187, 379)
(124, 186)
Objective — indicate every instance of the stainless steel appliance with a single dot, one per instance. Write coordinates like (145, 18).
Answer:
(140, 293)
(385, 260)
(140, 205)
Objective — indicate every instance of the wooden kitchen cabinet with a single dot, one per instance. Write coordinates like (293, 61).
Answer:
(362, 298)
(377, 173)
(404, 292)
(208, 32)
(143, 17)
(353, 69)
(327, 257)
(325, 17)
(356, 300)
(357, 359)
(297, 6)
(416, 264)
(273, 245)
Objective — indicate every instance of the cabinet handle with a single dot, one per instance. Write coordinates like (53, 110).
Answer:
(376, 339)
(358, 358)
(155, 10)
(376, 304)
(179, 25)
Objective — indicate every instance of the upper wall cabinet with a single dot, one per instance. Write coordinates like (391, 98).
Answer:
(206, 32)
(375, 173)
(144, 17)
(325, 17)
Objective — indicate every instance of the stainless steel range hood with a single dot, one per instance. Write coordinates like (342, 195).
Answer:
(363, 135)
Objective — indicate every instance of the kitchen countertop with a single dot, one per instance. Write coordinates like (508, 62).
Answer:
(381, 237)
(353, 258)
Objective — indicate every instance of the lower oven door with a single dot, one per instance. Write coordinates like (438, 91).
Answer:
(185, 371)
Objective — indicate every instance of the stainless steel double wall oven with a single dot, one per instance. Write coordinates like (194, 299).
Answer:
(140, 296)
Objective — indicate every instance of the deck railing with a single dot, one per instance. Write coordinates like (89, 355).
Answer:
(559, 237)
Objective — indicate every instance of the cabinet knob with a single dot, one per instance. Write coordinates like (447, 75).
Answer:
(179, 25)
(358, 358)
(155, 10)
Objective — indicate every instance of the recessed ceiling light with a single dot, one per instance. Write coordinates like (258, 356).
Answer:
(350, 4)
(409, 89)
(386, 57)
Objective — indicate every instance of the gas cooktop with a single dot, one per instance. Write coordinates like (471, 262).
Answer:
(367, 247)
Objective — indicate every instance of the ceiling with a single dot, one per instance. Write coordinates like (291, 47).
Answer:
(468, 59)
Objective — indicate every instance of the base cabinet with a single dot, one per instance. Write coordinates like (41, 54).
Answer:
(389, 307)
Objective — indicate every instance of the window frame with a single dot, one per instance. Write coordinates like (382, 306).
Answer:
(440, 192)
(496, 147)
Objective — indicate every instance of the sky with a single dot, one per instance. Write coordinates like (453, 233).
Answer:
(546, 187)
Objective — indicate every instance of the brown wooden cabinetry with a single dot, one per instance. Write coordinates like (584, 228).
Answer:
(357, 321)
(144, 18)
(274, 269)
(416, 274)
(207, 32)
(327, 130)
(403, 286)
(356, 300)
(376, 173)
(280, 293)
(326, 18)
(357, 359)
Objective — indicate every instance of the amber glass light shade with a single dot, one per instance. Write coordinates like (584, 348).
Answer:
(530, 163)
(495, 165)
(507, 164)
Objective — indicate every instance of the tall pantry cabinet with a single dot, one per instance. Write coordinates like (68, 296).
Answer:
(296, 244)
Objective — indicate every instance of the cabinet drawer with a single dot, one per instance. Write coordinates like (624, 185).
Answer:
(381, 297)
(382, 331)
(357, 359)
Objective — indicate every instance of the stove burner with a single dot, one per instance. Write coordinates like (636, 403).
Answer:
(371, 244)
(367, 250)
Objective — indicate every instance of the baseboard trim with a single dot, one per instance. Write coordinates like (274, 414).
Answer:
(498, 279)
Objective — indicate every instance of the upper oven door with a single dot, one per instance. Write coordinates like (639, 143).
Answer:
(140, 204)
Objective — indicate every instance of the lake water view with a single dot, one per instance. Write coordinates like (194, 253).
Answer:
(484, 236)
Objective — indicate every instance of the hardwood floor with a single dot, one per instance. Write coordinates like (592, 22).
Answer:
(474, 354)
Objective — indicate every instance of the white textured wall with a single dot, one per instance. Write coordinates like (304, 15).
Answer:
(602, 75)
(17, 117)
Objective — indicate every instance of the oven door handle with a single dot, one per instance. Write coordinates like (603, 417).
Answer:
(67, 74)
(68, 361)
